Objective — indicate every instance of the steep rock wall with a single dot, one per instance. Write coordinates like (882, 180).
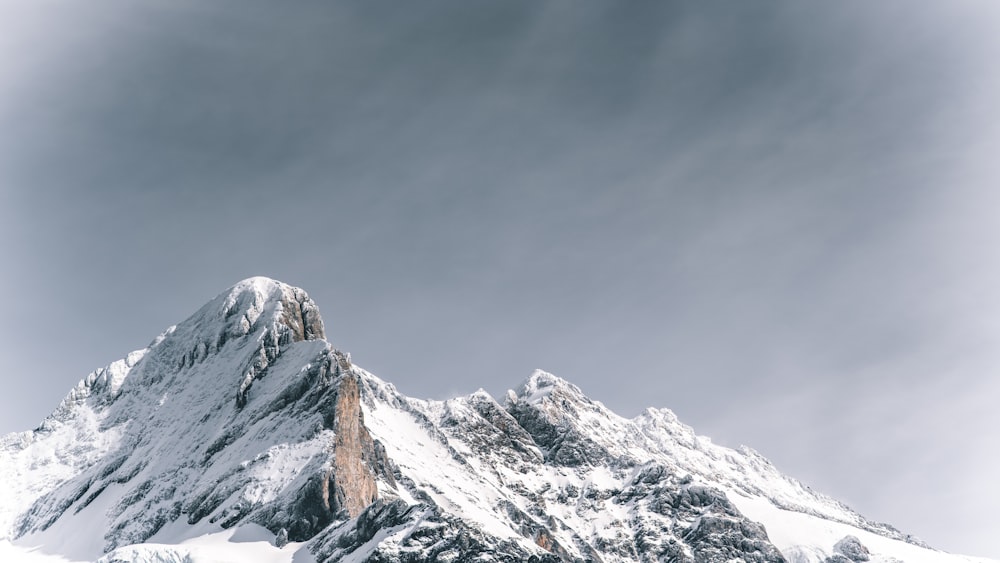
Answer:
(350, 486)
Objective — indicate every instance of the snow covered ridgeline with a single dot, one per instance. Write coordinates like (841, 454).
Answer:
(589, 485)
(242, 424)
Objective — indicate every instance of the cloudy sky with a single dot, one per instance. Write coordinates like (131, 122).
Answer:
(778, 219)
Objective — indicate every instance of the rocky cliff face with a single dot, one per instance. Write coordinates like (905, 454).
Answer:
(357, 459)
(244, 415)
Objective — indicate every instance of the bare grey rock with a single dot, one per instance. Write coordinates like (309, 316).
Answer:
(281, 538)
(852, 548)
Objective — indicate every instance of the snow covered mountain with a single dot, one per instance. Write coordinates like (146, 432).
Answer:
(242, 435)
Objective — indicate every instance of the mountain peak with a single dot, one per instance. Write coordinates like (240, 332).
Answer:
(250, 323)
(268, 312)
(257, 297)
(540, 385)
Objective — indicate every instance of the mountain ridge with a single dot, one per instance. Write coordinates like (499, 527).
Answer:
(244, 415)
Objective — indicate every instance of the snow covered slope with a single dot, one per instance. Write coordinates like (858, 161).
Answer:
(242, 434)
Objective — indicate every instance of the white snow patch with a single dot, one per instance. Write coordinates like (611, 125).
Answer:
(807, 539)
(249, 542)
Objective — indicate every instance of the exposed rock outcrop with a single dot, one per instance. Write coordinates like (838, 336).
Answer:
(348, 480)
(546, 407)
(301, 315)
(350, 485)
(852, 548)
(417, 533)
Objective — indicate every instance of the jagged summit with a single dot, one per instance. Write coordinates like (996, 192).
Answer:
(270, 313)
(541, 384)
(260, 299)
(254, 319)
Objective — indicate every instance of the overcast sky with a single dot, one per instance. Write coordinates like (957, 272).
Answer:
(778, 219)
